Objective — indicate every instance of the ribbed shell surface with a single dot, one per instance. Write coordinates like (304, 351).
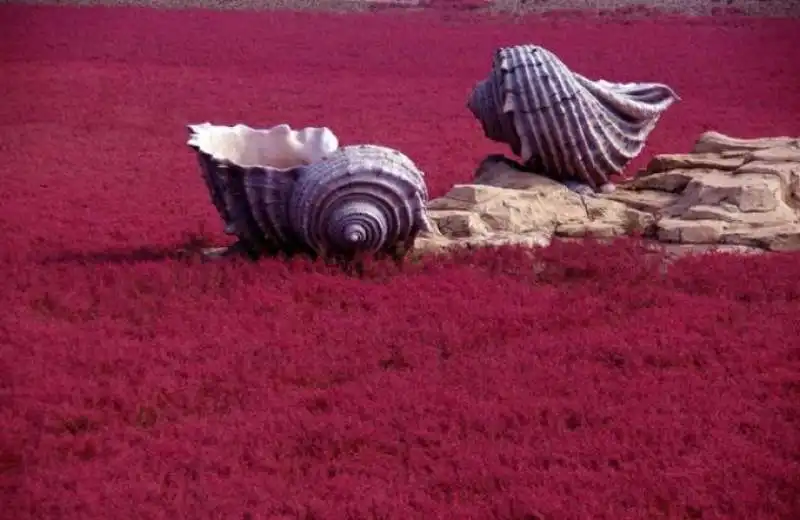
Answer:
(561, 123)
(268, 193)
(251, 200)
(360, 199)
(244, 222)
(216, 187)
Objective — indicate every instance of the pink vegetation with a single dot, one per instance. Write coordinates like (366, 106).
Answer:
(583, 383)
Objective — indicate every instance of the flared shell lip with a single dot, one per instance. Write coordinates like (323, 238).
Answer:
(196, 129)
(501, 52)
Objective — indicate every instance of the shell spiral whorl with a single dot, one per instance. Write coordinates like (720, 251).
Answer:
(361, 199)
(562, 123)
(297, 191)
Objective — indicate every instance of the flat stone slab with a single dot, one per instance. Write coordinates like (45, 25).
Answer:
(743, 194)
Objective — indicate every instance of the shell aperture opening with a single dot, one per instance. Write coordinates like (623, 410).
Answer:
(279, 147)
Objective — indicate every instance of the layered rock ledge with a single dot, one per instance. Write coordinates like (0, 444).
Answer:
(728, 192)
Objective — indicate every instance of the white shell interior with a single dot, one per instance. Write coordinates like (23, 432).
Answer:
(278, 147)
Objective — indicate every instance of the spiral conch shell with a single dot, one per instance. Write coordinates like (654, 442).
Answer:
(298, 191)
(559, 122)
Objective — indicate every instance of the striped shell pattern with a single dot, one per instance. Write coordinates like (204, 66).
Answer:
(360, 198)
(559, 122)
(354, 200)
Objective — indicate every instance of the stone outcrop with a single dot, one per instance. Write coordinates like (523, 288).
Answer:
(727, 191)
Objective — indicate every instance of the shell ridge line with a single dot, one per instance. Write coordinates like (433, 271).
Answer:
(602, 131)
(628, 137)
(523, 125)
(622, 138)
(506, 124)
(598, 156)
(302, 210)
(305, 223)
(599, 106)
(215, 187)
(268, 191)
(624, 106)
(543, 71)
(575, 121)
(230, 206)
(655, 94)
(238, 205)
(298, 205)
(540, 123)
(566, 132)
(253, 194)
(539, 81)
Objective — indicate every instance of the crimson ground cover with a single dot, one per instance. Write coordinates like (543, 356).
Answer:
(582, 382)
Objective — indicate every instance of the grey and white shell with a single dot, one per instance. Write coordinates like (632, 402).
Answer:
(349, 202)
(560, 123)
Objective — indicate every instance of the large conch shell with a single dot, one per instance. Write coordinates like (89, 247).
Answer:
(562, 124)
(282, 190)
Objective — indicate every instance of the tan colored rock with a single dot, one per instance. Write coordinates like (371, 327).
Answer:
(672, 181)
(459, 223)
(688, 161)
(736, 194)
(501, 209)
(465, 196)
(502, 239)
(776, 155)
(690, 232)
(501, 172)
(649, 201)
(509, 206)
(590, 229)
(717, 143)
(439, 243)
(787, 172)
(700, 212)
(753, 205)
(774, 238)
(731, 194)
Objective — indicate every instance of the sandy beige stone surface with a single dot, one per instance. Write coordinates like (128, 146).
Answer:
(726, 191)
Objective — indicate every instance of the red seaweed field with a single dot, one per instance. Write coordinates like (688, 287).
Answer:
(580, 381)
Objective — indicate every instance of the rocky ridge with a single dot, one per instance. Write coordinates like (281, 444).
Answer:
(732, 193)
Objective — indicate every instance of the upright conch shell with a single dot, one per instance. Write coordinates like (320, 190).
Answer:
(562, 124)
(281, 190)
